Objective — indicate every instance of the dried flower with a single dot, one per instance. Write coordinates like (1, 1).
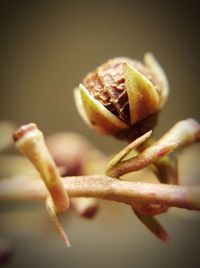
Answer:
(122, 95)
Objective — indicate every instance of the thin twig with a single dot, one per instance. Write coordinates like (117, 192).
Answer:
(104, 187)
(183, 133)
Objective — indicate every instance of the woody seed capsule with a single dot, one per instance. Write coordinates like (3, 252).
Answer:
(122, 97)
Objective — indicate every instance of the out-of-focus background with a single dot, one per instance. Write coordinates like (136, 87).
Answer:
(46, 48)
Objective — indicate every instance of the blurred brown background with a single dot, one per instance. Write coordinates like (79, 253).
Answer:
(46, 49)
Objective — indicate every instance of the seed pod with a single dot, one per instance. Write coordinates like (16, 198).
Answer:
(122, 97)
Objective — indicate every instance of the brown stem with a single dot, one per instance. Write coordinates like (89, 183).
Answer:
(104, 187)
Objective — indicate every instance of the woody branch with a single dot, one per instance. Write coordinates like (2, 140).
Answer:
(104, 187)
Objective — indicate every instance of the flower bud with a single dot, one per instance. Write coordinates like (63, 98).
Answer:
(122, 97)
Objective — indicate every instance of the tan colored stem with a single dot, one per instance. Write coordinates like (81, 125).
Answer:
(106, 188)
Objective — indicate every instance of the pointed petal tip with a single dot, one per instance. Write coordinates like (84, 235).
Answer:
(151, 61)
(79, 104)
(127, 67)
(149, 54)
(142, 95)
